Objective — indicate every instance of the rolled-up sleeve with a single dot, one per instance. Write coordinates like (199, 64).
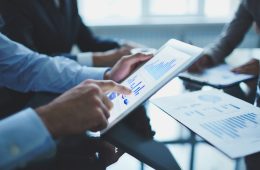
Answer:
(23, 138)
(24, 70)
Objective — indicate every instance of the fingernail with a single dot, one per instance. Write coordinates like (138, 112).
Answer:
(129, 91)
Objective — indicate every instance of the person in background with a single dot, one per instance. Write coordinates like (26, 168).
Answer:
(253, 161)
(29, 134)
(52, 27)
(246, 16)
(231, 37)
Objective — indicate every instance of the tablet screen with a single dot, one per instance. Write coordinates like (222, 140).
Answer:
(170, 60)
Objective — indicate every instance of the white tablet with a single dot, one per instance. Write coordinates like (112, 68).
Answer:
(171, 59)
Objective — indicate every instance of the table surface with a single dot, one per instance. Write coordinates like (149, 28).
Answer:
(189, 150)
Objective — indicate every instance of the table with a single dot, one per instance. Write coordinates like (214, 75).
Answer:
(185, 149)
(188, 149)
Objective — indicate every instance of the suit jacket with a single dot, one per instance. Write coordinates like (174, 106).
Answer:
(46, 28)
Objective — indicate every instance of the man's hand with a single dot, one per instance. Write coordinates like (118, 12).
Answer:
(204, 62)
(256, 28)
(131, 45)
(109, 58)
(125, 66)
(251, 67)
(84, 107)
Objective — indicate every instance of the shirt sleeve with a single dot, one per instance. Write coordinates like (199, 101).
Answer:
(23, 138)
(24, 70)
(85, 59)
(232, 35)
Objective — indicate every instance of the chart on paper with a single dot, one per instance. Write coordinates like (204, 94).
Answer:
(158, 68)
(230, 124)
(233, 126)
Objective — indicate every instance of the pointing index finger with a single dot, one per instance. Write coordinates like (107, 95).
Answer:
(109, 85)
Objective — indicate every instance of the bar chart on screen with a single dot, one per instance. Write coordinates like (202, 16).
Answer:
(169, 59)
(158, 68)
(143, 82)
(136, 84)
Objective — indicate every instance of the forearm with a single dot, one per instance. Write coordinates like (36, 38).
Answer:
(24, 70)
(231, 36)
(24, 138)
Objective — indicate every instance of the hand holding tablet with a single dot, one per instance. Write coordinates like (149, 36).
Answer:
(171, 59)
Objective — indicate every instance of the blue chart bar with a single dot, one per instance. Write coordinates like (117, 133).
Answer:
(158, 68)
(130, 81)
(136, 86)
(230, 126)
(138, 89)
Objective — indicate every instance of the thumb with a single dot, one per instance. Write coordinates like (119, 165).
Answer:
(240, 69)
(134, 59)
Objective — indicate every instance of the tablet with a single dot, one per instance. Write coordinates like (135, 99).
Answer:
(171, 59)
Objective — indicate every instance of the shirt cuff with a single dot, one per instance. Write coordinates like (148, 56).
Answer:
(214, 57)
(85, 59)
(96, 73)
(23, 138)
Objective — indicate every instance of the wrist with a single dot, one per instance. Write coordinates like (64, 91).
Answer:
(97, 59)
(210, 60)
(121, 43)
(85, 58)
(44, 113)
(107, 75)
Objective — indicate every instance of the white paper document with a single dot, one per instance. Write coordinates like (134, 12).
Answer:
(217, 76)
(228, 123)
(242, 55)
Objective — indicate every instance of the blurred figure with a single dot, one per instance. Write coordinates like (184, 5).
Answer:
(52, 27)
(231, 37)
(29, 135)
